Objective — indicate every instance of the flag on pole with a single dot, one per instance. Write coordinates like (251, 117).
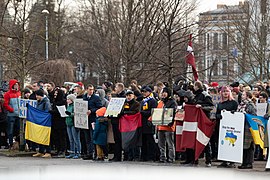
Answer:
(197, 130)
(190, 59)
(38, 126)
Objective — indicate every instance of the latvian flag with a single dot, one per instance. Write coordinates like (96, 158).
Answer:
(178, 136)
(197, 130)
(130, 127)
(190, 59)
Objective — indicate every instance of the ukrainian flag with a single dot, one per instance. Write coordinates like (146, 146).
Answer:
(38, 126)
(257, 128)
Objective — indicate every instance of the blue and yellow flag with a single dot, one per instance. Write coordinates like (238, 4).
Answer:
(38, 126)
(257, 128)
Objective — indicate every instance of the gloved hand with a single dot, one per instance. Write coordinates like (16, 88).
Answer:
(266, 116)
(232, 111)
(170, 124)
(68, 113)
(27, 105)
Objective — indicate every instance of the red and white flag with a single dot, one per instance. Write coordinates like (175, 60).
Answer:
(190, 59)
(197, 130)
(178, 136)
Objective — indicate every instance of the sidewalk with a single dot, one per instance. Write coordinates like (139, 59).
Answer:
(15, 153)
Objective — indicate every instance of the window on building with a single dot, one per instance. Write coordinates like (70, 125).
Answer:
(215, 43)
(224, 67)
(224, 41)
(215, 67)
(208, 42)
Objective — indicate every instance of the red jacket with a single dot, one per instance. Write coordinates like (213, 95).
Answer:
(11, 99)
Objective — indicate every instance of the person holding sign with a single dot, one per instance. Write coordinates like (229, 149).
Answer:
(73, 133)
(148, 143)
(166, 132)
(229, 104)
(247, 106)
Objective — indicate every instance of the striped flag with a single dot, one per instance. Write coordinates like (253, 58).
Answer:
(130, 127)
(178, 136)
(197, 130)
(190, 59)
(38, 126)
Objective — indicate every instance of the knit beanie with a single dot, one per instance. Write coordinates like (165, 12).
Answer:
(72, 97)
(167, 90)
(101, 112)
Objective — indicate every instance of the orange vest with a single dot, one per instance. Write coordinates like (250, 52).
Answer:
(165, 127)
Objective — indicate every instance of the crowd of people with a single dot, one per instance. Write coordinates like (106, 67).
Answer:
(158, 142)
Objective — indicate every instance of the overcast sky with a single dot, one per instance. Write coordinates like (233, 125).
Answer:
(205, 5)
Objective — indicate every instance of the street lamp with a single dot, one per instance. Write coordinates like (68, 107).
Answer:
(46, 12)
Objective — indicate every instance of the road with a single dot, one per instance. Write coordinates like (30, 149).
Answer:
(14, 168)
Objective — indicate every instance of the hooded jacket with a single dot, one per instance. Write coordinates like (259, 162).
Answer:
(11, 99)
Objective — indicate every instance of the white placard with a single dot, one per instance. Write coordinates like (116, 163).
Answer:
(115, 106)
(62, 110)
(261, 109)
(268, 132)
(80, 114)
(157, 114)
(231, 136)
(23, 108)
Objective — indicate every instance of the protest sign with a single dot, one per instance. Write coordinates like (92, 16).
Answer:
(115, 106)
(23, 108)
(162, 116)
(80, 114)
(231, 136)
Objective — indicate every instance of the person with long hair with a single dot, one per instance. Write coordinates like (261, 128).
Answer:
(229, 104)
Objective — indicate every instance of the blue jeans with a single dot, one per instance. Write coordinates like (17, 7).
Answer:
(13, 128)
(74, 139)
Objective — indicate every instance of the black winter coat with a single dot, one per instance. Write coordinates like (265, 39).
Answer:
(205, 100)
(146, 112)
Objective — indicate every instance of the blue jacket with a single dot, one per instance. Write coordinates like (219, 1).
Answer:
(100, 131)
(44, 104)
(94, 103)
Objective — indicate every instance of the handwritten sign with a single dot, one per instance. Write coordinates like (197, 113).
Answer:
(80, 114)
(23, 108)
(115, 106)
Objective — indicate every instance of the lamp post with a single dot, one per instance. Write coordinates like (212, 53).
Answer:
(46, 12)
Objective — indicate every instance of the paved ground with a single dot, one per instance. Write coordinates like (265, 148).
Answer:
(23, 166)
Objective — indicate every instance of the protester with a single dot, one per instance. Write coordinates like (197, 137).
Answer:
(94, 103)
(229, 104)
(203, 100)
(11, 104)
(73, 132)
(43, 104)
(166, 132)
(149, 151)
(100, 135)
(247, 106)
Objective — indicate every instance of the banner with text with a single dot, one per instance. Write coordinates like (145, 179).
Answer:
(23, 108)
(115, 107)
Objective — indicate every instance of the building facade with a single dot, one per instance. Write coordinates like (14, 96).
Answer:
(220, 35)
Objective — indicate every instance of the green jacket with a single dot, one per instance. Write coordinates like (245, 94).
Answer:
(70, 118)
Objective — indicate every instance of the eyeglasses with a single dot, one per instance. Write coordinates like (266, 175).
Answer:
(90, 89)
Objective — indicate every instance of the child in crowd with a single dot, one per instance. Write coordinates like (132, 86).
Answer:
(100, 134)
(73, 133)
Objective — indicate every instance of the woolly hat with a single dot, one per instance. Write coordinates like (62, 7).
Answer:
(40, 92)
(72, 97)
(101, 112)
(167, 90)
(26, 90)
(129, 92)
